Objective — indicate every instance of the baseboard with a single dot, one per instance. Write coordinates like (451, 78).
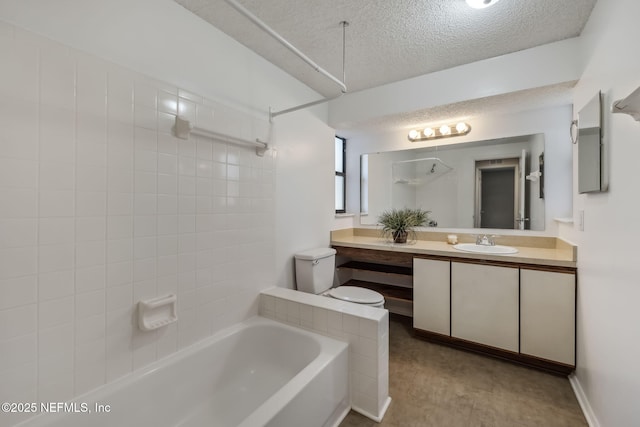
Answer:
(375, 418)
(555, 368)
(385, 407)
(337, 418)
(583, 401)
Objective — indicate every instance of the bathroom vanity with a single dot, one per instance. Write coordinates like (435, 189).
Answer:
(519, 307)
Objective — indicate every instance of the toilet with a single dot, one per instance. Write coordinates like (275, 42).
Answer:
(315, 269)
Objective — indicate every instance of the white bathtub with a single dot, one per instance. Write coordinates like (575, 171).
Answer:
(257, 373)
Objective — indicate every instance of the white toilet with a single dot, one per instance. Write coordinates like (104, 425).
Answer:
(314, 274)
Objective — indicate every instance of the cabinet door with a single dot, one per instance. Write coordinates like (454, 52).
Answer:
(548, 315)
(484, 304)
(431, 295)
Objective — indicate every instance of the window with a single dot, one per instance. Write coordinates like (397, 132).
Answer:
(341, 178)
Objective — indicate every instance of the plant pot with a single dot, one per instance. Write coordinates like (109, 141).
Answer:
(400, 237)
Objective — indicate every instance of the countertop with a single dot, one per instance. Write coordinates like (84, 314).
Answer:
(562, 255)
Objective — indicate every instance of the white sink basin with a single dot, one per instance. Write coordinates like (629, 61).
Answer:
(482, 249)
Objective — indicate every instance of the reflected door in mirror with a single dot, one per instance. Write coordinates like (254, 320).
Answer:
(497, 193)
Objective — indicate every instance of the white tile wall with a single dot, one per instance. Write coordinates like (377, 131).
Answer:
(366, 330)
(100, 206)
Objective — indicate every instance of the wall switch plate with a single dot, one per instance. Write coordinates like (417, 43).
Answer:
(581, 220)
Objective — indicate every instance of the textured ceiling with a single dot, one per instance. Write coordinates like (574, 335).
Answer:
(391, 40)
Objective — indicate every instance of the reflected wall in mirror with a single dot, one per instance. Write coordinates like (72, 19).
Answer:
(485, 184)
(590, 147)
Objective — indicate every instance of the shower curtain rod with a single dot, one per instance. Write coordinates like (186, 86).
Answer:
(253, 18)
(437, 159)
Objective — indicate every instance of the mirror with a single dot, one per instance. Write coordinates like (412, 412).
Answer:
(493, 184)
(590, 147)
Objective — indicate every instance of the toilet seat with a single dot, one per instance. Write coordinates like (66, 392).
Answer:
(357, 295)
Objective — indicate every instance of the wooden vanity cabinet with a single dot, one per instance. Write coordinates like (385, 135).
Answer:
(484, 304)
(548, 315)
(513, 311)
(432, 295)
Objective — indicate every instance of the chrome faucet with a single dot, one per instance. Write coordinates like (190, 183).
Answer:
(485, 240)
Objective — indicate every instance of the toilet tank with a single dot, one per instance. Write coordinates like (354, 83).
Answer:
(315, 269)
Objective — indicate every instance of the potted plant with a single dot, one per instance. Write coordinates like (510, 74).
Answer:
(398, 223)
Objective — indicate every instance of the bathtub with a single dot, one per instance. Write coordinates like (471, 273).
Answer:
(256, 373)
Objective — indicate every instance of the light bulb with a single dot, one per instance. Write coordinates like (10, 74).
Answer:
(414, 134)
(461, 127)
(481, 4)
(445, 130)
(428, 132)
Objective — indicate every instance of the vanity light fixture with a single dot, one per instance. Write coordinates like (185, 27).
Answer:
(414, 134)
(481, 4)
(436, 132)
(462, 127)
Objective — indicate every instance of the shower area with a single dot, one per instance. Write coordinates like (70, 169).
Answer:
(415, 186)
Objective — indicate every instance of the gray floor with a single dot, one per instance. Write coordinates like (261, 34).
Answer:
(434, 385)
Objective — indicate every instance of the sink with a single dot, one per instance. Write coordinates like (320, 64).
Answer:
(482, 249)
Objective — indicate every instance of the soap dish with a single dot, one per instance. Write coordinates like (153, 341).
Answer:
(157, 312)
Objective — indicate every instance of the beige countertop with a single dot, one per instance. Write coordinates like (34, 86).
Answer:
(551, 252)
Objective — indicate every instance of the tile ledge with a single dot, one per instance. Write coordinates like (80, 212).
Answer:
(320, 301)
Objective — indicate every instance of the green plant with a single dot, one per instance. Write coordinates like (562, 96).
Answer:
(399, 222)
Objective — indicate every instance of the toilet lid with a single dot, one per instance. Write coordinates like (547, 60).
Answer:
(355, 294)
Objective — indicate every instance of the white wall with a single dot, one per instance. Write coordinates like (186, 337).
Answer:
(552, 122)
(341, 222)
(101, 206)
(305, 190)
(162, 39)
(494, 76)
(609, 286)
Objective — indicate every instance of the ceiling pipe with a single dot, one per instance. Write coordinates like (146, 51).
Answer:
(253, 18)
(273, 114)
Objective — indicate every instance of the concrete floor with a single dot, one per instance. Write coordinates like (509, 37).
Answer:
(434, 385)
